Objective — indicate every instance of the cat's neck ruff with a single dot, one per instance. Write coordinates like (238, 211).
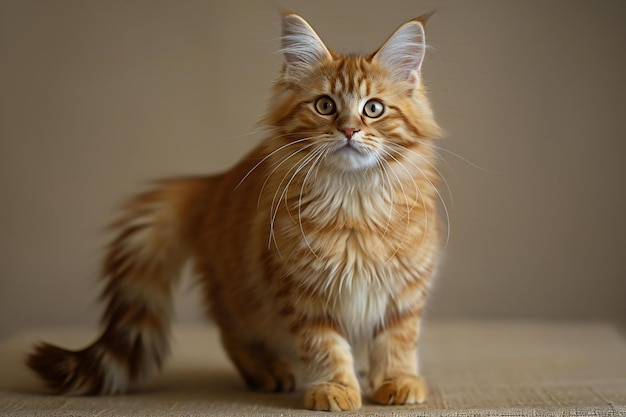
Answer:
(365, 200)
(383, 181)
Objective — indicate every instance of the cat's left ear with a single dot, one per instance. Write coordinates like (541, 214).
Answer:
(403, 53)
(302, 49)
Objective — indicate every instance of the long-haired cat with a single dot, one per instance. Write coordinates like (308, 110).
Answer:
(323, 238)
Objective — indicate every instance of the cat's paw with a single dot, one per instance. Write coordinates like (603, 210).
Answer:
(275, 377)
(284, 380)
(403, 389)
(330, 396)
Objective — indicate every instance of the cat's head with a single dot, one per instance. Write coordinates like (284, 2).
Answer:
(350, 112)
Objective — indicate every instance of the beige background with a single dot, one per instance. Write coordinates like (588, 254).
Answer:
(96, 98)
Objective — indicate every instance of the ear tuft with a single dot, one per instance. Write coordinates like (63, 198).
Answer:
(403, 53)
(423, 19)
(301, 47)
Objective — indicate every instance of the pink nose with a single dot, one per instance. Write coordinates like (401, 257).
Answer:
(349, 131)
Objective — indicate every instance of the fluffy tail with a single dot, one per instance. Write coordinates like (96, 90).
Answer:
(142, 265)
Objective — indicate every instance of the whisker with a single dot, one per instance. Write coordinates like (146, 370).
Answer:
(275, 168)
(304, 161)
(277, 202)
(295, 169)
(269, 156)
(275, 208)
(386, 150)
(406, 199)
(436, 190)
(321, 153)
(245, 135)
(467, 161)
(433, 166)
(381, 164)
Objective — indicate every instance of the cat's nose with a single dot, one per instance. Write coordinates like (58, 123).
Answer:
(349, 131)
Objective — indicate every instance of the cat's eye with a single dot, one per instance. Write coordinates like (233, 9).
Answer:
(325, 106)
(373, 109)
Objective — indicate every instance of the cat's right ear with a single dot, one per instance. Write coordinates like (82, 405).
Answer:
(302, 49)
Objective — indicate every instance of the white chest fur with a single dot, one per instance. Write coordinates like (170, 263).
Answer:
(341, 242)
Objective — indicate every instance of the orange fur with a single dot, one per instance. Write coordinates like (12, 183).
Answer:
(324, 237)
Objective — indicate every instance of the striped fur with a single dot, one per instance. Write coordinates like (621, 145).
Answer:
(324, 238)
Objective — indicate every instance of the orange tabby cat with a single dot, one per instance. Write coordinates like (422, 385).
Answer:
(323, 238)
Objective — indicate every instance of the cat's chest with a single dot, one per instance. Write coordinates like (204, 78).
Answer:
(350, 233)
(344, 250)
(360, 308)
(347, 278)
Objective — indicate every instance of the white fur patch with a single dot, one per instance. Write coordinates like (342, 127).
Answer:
(351, 157)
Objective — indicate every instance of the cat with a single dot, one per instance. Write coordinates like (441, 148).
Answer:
(324, 238)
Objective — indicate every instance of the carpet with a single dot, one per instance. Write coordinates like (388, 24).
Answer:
(474, 368)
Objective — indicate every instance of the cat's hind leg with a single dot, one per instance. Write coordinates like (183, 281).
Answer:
(261, 369)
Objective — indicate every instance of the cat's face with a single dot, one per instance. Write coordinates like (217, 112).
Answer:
(352, 112)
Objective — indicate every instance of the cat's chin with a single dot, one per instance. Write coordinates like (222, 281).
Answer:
(349, 159)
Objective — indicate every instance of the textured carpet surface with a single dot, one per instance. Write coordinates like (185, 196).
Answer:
(490, 368)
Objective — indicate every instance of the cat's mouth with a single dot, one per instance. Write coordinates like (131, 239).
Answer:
(350, 146)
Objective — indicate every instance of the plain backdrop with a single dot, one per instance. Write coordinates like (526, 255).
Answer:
(97, 98)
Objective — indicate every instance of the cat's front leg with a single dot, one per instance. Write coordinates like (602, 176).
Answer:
(393, 362)
(329, 365)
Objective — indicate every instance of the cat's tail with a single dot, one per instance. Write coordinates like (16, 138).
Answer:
(143, 263)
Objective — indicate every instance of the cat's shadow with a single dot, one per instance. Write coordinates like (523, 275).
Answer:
(225, 387)
(180, 386)
(177, 385)
(175, 388)
(217, 387)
